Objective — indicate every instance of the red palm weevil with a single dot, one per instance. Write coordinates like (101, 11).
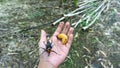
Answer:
(48, 48)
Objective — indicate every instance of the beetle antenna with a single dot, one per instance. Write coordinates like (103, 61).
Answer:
(54, 52)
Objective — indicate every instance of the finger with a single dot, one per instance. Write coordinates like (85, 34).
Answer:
(42, 38)
(69, 41)
(70, 37)
(66, 27)
(70, 31)
(59, 28)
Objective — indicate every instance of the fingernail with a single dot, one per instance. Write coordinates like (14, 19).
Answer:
(67, 22)
(62, 22)
(41, 31)
(72, 28)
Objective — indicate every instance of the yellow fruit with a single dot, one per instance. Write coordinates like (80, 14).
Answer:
(63, 38)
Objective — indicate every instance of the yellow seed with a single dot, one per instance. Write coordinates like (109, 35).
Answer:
(63, 38)
(64, 41)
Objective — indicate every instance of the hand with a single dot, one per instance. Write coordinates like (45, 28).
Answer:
(62, 50)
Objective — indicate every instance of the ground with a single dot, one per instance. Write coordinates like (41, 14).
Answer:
(22, 20)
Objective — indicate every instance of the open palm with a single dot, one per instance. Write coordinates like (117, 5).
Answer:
(61, 50)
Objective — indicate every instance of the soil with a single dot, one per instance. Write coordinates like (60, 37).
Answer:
(22, 20)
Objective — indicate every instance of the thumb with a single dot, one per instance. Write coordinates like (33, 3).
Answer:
(43, 35)
(42, 38)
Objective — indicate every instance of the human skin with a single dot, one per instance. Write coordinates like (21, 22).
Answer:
(54, 60)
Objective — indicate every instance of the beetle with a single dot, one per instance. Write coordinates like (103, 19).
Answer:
(48, 48)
